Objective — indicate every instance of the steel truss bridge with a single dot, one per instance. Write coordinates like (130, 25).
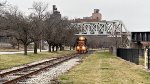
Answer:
(115, 28)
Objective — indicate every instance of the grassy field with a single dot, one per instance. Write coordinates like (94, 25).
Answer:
(141, 60)
(12, 50)
(8, 61)
(8, 50)
(103, 68)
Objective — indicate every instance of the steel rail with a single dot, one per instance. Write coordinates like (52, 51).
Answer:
(52, 62)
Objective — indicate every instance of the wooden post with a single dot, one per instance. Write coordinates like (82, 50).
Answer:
(145, 58)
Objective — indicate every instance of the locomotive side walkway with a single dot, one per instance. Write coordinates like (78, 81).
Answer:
(103, 68)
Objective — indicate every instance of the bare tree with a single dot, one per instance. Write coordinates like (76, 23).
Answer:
(56, 31)
(36, 18)
(2, 19)
(50, 30)
(3, 3)
(70, 36)
(37, 26)
(60, 36)
(18, 26)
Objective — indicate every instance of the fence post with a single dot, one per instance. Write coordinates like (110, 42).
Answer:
(148, 58)
(145, 58)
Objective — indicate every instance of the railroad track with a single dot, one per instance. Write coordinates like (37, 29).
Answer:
(14, 76)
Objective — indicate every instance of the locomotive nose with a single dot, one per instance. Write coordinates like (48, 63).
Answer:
(81, 38)
(81, 45)
(78, 47)
(83, 48)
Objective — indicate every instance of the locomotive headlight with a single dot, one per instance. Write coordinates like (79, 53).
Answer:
(83, 48)
(81, 38)
(78, 47)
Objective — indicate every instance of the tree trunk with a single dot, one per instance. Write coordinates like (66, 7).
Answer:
(73, 48)
(25, 49)
(56, 48)
(43, 45)
(53, 48)
(35, 47)
(61, 47)
(70, 47)
(49, 48)
(18, 46)
(40, 45)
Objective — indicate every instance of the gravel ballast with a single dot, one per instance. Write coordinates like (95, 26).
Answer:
(48, 76)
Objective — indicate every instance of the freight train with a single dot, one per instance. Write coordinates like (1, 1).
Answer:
(81, 45)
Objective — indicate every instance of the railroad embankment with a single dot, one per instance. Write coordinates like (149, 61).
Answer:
(104, 68)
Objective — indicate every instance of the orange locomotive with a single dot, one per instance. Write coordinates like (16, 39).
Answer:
(81, 45)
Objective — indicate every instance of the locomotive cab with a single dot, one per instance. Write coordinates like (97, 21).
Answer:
(81, 45)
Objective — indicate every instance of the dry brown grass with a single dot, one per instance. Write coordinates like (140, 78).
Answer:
(103, 68)
(8, 61)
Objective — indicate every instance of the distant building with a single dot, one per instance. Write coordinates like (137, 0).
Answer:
(96, 17)
(87, 18)
(56, 13)
(4, 38)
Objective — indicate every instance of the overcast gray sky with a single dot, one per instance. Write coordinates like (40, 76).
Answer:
(134, 13)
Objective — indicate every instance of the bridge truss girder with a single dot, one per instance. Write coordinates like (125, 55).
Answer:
(113, 29)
